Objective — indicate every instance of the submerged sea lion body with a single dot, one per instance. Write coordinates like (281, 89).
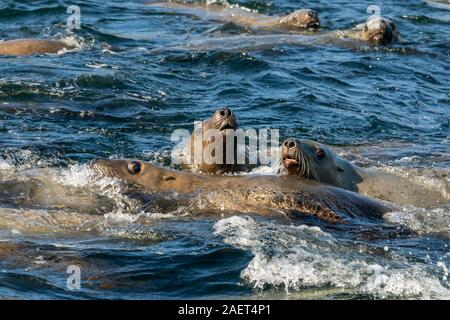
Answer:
(298, 20)
(312, 160)
(22, 47)
(37, 189)
(266, 195)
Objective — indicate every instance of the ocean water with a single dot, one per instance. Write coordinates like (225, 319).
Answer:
(135, 77)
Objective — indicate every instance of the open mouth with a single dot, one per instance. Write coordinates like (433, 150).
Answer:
(290, 161)
(312, 24)
(378, 37)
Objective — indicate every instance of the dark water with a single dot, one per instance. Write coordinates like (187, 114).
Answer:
(132, 81)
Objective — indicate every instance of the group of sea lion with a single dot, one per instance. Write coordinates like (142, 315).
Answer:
(315, 161)
(376, 30)
(315, 182)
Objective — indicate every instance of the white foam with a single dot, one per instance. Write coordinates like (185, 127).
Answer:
(409, 159)
(77, 42)
(422, 221)
(82, 176)
(412, 283)
(5, 166)
(300, 257)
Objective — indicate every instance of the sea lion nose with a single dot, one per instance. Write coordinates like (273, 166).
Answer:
(225, 112)
(290, 143)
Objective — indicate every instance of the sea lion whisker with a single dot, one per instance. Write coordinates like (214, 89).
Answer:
(299, 157)
(316, 177)
(307, 167)
(304, 167)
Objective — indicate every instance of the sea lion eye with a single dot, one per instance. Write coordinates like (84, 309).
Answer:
(134, 167)
(320, 153)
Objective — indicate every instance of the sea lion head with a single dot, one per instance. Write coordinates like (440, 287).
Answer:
(380, 30)
(129, 170)
(222, 119)
(301, 19)
(312, 160)
(141, 173)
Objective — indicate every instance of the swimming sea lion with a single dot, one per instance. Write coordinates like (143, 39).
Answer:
(224, 122)
(297, 21)
(312, 160)
(22, 47)
(264, 195)
(376, 30)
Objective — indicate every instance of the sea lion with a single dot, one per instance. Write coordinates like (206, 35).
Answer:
(376, 30)
(264, 195)
(224, 122)
(312, 160)
(21, 47)
(299, 20)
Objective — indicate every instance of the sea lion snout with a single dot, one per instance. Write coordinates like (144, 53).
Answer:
(225, 112)
(290, 153)
(226, 119)
(313, 19)
(112, 168)
(99, 166)
(303, 18)
(290, 143)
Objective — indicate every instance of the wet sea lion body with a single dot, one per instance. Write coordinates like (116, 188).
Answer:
(264, 195)
(312, 160)
(299, 20)
(223, 121)
(21, 47)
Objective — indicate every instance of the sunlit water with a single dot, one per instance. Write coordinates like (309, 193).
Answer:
(133, 80)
